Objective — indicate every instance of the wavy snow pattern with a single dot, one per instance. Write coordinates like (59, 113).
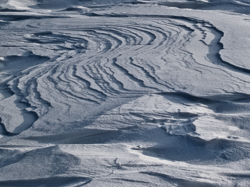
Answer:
(94, 95)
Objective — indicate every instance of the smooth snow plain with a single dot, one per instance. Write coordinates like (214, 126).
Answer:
(124, 93)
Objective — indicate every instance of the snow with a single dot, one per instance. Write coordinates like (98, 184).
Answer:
(124, 93)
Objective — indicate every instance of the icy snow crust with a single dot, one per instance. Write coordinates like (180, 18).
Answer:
(124, 93)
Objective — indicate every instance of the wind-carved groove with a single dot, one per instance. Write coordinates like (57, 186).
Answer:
(108, 79)
(93, 81)
(74, 84)
(148, 75)
(108, 34)
(45, 104)
(114, 80)
(36, 100)
(150, 34)
(127, 73)
(3, 130)
(5, 90)
(103, 60)
(100, 75)
(125, 37)
(93, 92)
(64, 92)
(216, 46)
(29, 117)
(136, 36)
(219, 46)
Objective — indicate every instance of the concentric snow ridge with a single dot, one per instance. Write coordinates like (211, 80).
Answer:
(96, 61)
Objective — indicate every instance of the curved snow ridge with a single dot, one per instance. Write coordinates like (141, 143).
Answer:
(102, 40)
(208, 34)
(87, 79)
(16, 113)
(107, 57)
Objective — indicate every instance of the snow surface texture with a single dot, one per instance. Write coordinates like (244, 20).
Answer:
(124, 93)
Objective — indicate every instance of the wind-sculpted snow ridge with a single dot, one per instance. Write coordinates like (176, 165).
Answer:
(124, 93)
